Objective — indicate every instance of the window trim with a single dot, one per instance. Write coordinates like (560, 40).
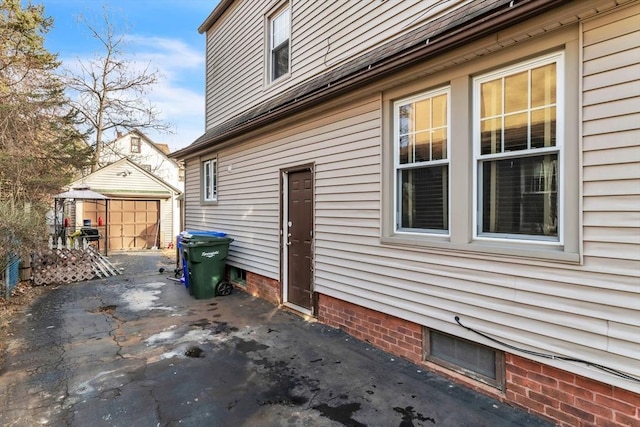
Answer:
(270, 17)
(559, 59)
(203, 167)
(445, 90)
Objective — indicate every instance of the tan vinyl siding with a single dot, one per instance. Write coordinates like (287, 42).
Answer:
(235, 52)
(611, 119)
(249, 180)
(324, 35)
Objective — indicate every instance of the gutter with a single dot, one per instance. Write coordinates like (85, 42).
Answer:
(498, 19)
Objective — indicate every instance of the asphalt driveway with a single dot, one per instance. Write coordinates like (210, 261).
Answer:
(137, 350)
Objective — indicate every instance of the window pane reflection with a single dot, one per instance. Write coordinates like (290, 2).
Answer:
(424, 199)
(520, 196)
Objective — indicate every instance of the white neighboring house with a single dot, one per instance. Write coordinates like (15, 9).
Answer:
(144, 189)
(141, 150)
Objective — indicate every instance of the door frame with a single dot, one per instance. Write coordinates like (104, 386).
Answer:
(284, 255)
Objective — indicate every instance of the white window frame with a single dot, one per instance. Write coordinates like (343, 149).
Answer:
(210, 179)
(397, 167)
(558, 58)
(270, 43)
(463, 239)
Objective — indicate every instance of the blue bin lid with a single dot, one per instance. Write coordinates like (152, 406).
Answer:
(211, 233)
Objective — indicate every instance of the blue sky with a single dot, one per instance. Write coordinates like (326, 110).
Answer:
(163, 33)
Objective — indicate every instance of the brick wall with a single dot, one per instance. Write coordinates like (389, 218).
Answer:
(263, 287)
(386, 332)
(565, 398)
(569, 399)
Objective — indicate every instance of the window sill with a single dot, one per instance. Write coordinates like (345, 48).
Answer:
(271, 84)
(486, 249)
(208, 202)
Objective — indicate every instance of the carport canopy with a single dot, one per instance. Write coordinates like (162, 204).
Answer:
(76, 193)
(81, 193)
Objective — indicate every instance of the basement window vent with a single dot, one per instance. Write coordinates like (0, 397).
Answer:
(474, 360)
(239, 276)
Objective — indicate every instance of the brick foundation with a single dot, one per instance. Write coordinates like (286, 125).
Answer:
(263, 287)
(563, 397)
(385, 332)
(568, 399)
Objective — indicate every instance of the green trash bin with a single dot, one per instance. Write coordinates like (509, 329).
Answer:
(205, 256)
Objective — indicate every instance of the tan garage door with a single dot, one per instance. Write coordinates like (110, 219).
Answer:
(133, 224)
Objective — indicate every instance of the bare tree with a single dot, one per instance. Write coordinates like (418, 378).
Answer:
(110, 90)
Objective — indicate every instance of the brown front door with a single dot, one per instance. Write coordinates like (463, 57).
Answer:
(298, 229)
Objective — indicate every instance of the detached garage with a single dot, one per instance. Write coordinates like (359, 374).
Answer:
(139, 212)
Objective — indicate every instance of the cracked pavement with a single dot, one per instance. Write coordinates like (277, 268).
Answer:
(136, 349)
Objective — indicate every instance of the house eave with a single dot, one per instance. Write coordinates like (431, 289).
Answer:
(504, 15)
(213, 17)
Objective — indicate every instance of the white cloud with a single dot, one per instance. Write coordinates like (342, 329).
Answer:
(169, 53)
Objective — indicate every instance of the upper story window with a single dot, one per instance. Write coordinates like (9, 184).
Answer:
(135, 144)
(279, 44)
(210, 180)
(422, 163)
(518, 151)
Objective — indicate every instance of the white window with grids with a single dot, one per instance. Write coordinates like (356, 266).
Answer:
(279, 45)
(210, 180)
(421, 153)
(518, 152)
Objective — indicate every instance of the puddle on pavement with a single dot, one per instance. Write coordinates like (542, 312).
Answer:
(342, 414)
(409, 415)
(283, 381)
